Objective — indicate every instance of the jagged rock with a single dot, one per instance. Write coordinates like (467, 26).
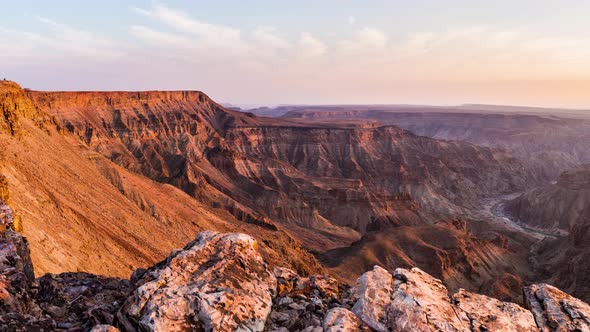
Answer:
(81, 300)
(324, 286)
(104, 328)
(555, 310)
(15, 322)
(16, 274)
(374, 290)
(488, 314)
(343, 320)
(421, 303)
(286, 280)
(219, 282)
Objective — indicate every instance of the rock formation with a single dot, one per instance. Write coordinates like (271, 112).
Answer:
(121, 169)
(220, 282)
(77, 206)
(556, 209)
(555, 310)
(217, 283)
(551, 143)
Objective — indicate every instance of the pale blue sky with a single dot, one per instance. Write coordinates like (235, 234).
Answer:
(323, 51)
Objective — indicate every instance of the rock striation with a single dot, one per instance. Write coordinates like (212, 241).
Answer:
(551, 143)
(220, 282)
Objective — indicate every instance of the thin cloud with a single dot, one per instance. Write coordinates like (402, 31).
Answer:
(212, 34)
(311, 46)
(60, 39)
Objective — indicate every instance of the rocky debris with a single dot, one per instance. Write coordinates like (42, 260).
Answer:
(488, 314)
(302, 302)
(104, 328)
(80, 300)
(16, 274)
(219, 282)
(555, 310)
(343, 320)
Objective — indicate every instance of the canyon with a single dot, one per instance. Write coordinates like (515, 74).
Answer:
(552, 142)
(447, 204)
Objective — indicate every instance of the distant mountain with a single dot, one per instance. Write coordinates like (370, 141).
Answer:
(551, 143)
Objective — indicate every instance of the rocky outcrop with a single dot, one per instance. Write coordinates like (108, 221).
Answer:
(15, 105)
(218, 282)
(419, 302)
(374, 290)
(488, 314)
(16, 274)
(343, 320)
(555, 310)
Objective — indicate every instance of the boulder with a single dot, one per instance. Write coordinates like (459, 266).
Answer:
(373, 291)
(421, 302)
(555, 310)
(488, 314)
(219, 282)
(343, 320)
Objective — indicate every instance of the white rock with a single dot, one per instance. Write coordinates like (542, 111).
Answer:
(421, 303)
(219, 282)
(341, 320)
(489, 314)
(374, 290)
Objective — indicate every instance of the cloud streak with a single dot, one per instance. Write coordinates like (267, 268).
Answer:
(268, 58)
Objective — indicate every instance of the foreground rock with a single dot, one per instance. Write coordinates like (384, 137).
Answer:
(488, 314)
(374, 290)
(219, 282)
(80, 300)
(555, 310)
(343, 320)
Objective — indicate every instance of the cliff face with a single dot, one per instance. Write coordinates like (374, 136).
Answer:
(328, 184)
(15, 105)
(558, 207)
(76, 205)
(563, 207)
(553, 144)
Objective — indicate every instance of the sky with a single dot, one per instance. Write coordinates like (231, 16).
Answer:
(268, 52)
